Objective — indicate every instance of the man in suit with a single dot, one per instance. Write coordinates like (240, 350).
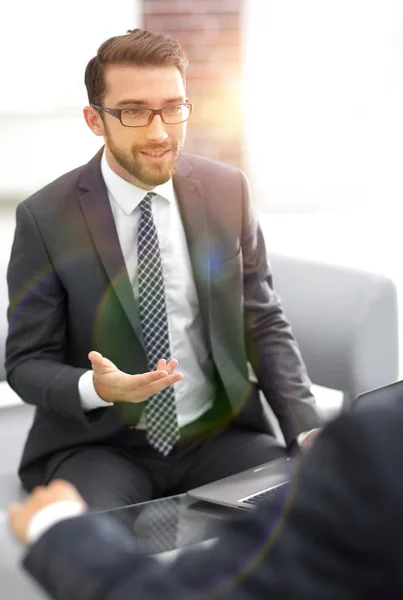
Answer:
(338, 536)
(143, 259)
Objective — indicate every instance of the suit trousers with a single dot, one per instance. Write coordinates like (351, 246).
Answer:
(127, 470)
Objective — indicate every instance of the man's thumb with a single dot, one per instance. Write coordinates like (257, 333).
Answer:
(100, 364)
(97, 362)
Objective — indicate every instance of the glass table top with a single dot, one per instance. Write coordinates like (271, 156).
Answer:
(171, 523)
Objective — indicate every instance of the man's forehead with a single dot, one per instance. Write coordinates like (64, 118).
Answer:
(142, 83)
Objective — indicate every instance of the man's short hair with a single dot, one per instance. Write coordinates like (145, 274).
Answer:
(139, 48)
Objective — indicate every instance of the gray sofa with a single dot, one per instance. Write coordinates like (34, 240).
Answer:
(345, 321)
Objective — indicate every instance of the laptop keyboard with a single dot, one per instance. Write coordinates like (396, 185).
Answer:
(257, 499)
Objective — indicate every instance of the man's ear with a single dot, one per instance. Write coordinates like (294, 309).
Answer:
(94, 120)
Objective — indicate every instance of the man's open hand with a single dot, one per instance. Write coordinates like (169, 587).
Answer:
(113, 385)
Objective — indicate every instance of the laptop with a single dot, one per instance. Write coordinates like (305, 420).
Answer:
(253, 486)
(248, 488)
(379, 396)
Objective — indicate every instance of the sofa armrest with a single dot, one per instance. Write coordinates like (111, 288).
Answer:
(345, 321)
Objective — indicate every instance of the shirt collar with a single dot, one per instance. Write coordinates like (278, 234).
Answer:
(128, 195)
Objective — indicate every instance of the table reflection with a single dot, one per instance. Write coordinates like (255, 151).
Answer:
(171, 523)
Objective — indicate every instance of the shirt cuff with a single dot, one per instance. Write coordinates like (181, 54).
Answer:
(90, 400)
(301, 436)
(50, 515)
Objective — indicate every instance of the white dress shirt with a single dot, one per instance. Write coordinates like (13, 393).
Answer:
(194, 395)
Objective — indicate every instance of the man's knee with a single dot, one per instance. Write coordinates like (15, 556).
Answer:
(104, 479)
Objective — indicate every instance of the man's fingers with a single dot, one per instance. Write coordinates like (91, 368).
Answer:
(146, 379)
(162, 365)
(163, 383)
(171, 366)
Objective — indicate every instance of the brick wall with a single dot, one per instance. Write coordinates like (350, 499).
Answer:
(210, 32)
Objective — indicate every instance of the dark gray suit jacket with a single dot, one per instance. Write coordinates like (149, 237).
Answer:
(70, 293)
(338, 538)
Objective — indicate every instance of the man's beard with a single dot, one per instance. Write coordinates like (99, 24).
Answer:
(151, 175)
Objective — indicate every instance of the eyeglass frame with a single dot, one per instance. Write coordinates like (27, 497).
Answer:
(117, 113)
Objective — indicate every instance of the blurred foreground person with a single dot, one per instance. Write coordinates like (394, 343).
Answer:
(339, 535)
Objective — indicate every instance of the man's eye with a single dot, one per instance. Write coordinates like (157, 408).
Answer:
(133, 112)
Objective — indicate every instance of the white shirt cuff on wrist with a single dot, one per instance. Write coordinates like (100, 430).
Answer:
(89, 398)
(50, 515)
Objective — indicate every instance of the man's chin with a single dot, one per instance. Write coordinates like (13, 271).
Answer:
(156, 176)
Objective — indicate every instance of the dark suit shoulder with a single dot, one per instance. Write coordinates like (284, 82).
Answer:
(54, 193)
(223, 185)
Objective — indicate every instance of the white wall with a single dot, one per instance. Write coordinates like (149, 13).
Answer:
(44, 48)
(323, 103)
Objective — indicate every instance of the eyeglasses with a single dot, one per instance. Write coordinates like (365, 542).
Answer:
(141, 117)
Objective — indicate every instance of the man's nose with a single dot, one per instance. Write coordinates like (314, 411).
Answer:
(156, 130)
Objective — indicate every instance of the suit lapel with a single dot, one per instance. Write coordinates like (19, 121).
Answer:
(193, 209)
(98, 215)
